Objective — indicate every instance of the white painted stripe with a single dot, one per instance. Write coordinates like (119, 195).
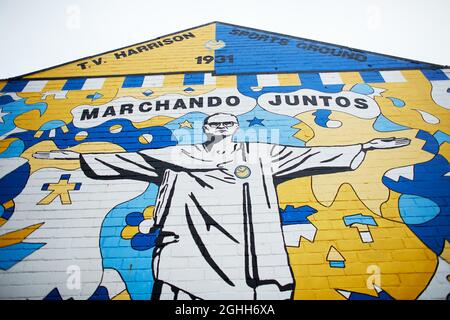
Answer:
(153, 81)
(447, 72)
(209, 79)
(35, 86)
(331, 78)
(392, 76)
(268, 80)
(93, 83)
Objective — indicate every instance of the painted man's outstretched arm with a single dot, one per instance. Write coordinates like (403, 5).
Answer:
(293, 162)
(108, 166)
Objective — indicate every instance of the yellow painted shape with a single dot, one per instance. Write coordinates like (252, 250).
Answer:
(289, 79)
(176, 57)
(18, 236)
(124, 295)
(366, 179)
(416, 93)
(351, 78)
(389, 209)
(129, 232)
(186, 124)
(155, 121)
(174, 80)
(226, 81)
(8, 204)
(45, 146)
(4, 144)
(334, 255)
(60, 109)
(115, 128)
(389, 251)
(148, 212)
(361, 227)
(305, 132)
(446, 252)
(60, 189)
(2, 221)
(444, 150)
(80, 136)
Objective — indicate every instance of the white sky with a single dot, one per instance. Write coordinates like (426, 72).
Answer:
(44, 33)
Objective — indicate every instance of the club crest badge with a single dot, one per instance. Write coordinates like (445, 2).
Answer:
(242, 172)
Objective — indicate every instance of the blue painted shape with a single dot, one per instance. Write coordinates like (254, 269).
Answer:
(310, 80)
(134, 218)
(431, 145)
(77, 186)
(359, 218)
(142, 242)
(322, 117)
(383, 124)
(128, 138)
(133, 82)
(7, 213)
(337, 264)
(291, 215)
(191, 79)
(431, 183)
(257, 51)
(362, 88)
(53, 124)
(189, 89)
(15, 86)
(16, 108)
(433, 75)
(372, 77)
(74, 84)
(441, 137)
(6, 99)
(101, 293)
(53, 295)
(147, 93)
(45, 187)
(11, 255)
(399, 103)
(13, 182)
(94, 96)
(14, 149)
(65, 177)
(416, 209)
(134, 266)
(255, 121)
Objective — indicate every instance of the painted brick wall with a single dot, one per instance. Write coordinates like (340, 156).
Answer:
(226, 163)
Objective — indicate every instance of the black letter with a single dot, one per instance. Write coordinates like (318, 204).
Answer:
(86, 115)
(277, 101)
(361, 103)
(340, 104)
(214, 101)
(143, 104)
(232, 101)
(126, 107)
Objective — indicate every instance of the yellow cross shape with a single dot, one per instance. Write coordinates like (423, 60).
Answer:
(60, 189)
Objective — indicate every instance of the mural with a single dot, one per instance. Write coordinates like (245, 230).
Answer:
(224, 180)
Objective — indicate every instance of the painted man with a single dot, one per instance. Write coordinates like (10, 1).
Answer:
(220, 233)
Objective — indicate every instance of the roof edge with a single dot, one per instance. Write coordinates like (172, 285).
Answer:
(431, 65)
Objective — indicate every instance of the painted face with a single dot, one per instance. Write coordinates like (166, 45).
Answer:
(221, 125)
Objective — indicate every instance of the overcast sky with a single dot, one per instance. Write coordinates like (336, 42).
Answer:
(44, 33)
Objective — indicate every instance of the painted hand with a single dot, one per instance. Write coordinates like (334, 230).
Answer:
(57, 155)
(386, 143)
